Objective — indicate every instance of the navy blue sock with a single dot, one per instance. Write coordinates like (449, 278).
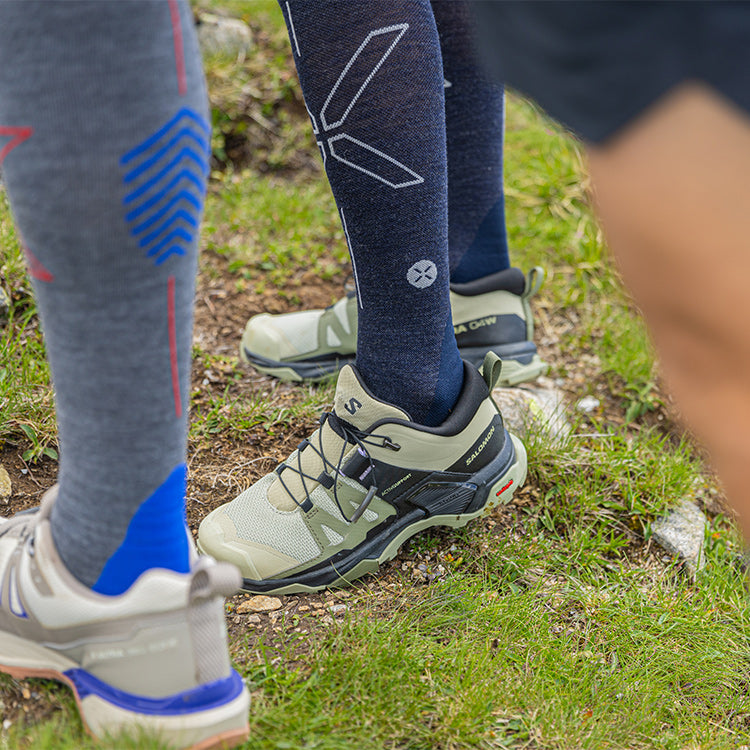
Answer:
(372, 79)
(474, 115)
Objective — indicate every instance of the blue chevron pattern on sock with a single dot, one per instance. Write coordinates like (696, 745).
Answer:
(165, 180)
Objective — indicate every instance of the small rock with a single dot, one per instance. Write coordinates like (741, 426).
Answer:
(259, 604)
(338, 609)
(527, 409)
(253, 619)
(7, 724)
(217, 34)
(588, 404)
(303, 608)
(26, 693)
(4, 303)
(5, 486)
(327, 620)
(681, 533)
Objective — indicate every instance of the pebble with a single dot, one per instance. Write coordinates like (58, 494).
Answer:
(5, 486)
(253, 619)
(588, 404)
(224, 35)
(338, 609)
(681, 533)
(303, 608)
(526, 409)
(259, 604)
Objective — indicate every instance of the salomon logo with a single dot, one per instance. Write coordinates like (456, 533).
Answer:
(352, 406)
(481, 446)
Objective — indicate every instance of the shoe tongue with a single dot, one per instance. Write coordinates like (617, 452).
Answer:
(354, 403)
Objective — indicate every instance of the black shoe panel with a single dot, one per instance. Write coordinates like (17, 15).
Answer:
(511, 280)
(490, 330)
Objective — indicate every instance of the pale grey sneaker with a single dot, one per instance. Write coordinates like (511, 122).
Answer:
(490, 314)
(367, 480)
(152, 660)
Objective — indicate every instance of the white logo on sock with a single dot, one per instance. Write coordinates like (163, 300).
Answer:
(345, 148)
(422, 274)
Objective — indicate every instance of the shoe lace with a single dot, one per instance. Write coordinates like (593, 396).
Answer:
(350, 435)
(22, 518)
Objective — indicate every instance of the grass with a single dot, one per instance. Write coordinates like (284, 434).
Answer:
(555, 624)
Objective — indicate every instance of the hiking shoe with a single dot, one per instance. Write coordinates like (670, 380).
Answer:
(366, 481)
(152, 660)
(489, 314)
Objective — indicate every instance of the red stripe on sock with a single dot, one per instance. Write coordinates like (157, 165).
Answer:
(179, 51)
(19, 135)
(36, 267)
(173, 347)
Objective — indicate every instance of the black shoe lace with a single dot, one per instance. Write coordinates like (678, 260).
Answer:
(350, 435)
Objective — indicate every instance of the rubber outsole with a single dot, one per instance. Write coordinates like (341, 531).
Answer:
(102, 720)
(495, 489)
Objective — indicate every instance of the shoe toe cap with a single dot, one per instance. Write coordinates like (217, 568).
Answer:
(218, 537)
(264, 338)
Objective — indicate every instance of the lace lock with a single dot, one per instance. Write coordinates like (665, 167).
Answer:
(388, 443)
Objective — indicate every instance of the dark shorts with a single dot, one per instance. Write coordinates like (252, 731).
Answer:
(595, 66)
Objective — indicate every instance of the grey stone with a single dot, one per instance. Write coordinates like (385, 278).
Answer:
(534, 409)
(681, 533)
(4, 303)
(218, 34)
(5, 486)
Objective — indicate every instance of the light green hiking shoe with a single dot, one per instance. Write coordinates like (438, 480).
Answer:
(489, 314)
(366, 481)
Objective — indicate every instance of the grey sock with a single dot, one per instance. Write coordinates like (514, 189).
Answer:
(104, 133)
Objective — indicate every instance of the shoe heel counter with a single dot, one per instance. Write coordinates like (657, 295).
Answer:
(211, 582)
(150, 660)
(495, 317)
(208, 635)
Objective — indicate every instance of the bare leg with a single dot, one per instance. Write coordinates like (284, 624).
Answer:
(673, 193)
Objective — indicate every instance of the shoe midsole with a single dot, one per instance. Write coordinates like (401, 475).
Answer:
(306, 369)
(319, 367)
(216, 710)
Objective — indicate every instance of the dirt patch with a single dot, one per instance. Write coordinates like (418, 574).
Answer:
(29, 481)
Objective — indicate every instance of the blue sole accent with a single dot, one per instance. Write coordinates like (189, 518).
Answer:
(201, 698)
